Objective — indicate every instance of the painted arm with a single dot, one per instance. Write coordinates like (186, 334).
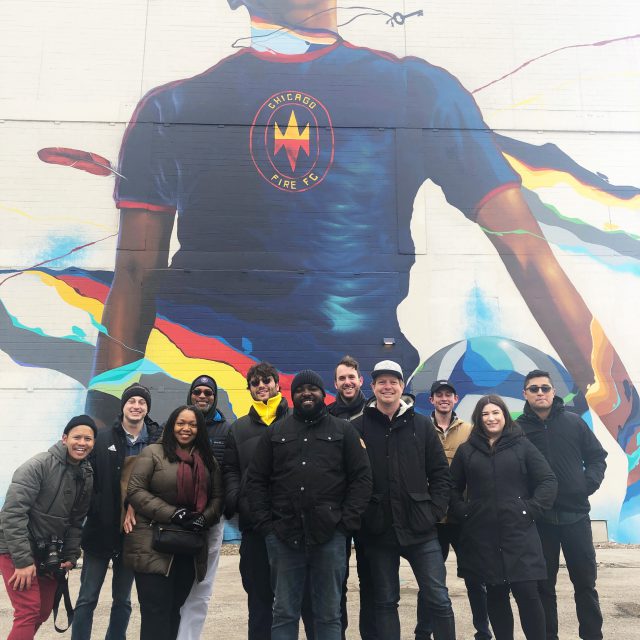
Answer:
(558, 307)
(130, 309)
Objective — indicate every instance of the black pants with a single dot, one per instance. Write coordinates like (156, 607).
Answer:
(161, 597)
(367, 624)
(529, 607)
(256, 581)
(577, 546)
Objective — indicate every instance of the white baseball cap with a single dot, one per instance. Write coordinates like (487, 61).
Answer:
(389, 367)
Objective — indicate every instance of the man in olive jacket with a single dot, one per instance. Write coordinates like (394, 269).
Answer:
(308, 484)
(411, 487)
(578, 459)
(45, 505)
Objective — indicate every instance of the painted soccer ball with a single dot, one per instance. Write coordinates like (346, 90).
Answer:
(491, 364)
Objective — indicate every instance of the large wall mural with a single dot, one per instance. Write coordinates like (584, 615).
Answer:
(191, 187)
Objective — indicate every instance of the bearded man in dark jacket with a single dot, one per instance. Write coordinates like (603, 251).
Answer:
(578, 460)
(308, 483)
(348, 382)
(411, 487)
(107, 520)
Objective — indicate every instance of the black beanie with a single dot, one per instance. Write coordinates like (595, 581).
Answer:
(308, 377)
(84, 420)
(136, 389)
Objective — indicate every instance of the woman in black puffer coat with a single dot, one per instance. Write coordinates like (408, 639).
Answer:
(502, 483)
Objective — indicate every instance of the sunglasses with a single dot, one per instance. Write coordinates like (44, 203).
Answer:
(207, 393)
(534, 388)
(256, 381)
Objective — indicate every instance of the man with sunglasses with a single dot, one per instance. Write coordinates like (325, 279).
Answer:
(578, 460)
(268, 406)
(203, 394)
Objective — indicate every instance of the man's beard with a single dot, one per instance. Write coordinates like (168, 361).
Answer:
(309, 412)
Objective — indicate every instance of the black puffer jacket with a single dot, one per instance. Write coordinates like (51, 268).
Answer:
(308, 477)
(241, 445)
(411, 481)
(102, 533)
(507, 487)
(573, 452)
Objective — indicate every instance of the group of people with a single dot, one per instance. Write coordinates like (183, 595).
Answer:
(309, 483)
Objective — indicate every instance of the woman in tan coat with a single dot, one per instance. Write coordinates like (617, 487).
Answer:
(175, 482)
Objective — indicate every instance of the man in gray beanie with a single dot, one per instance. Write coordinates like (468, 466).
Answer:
(112, 458)
(308, 483)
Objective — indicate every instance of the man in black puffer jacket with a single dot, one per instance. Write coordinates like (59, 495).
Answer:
(578, 461)
(112, 459)
(411, 487)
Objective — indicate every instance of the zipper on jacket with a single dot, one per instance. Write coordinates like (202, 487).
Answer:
(495, 502)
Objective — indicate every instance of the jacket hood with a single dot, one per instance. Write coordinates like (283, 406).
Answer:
(556, 408)
(407, 402)
(59, 451)
(213, 415)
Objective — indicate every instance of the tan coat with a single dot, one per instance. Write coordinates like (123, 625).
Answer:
(153, 492)
(457, 433)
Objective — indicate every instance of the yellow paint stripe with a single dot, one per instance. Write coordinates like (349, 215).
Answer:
(541, 178)
(47, 218)
(164, 353)
(71, 296)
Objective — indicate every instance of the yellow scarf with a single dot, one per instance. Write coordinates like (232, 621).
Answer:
(268, 411)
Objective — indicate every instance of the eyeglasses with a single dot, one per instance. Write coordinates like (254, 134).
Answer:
(256, 381)
(207, 393)
(534, 388)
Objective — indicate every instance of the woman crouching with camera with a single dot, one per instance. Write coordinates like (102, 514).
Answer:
(502, 484)
(176, 491)
(41, 523)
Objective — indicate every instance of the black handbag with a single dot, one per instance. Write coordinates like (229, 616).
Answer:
(173, 539)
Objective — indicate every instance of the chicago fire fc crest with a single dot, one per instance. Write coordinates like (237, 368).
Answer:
(291, 141)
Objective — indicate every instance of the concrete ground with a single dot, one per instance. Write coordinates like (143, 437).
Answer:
(618, 585)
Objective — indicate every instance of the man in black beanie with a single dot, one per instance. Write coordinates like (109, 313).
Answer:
(308, 483)
(112, 458)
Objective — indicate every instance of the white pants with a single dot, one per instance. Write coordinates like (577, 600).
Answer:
(194, 611)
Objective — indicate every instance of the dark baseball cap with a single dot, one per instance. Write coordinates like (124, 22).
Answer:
(442, 384)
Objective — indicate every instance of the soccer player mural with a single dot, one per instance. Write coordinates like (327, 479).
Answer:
(270, 208)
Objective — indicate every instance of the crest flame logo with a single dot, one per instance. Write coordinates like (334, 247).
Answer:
(292, 140)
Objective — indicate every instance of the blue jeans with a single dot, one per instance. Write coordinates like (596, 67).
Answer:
(326, 565)
(94, 570)
(428, 567)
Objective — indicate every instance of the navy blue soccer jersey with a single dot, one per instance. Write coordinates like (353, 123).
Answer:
(294, 178)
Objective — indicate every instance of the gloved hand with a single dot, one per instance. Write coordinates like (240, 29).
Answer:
(181, 516)
(195, 521)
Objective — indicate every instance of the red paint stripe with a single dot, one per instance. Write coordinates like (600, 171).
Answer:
(493, 193)
(190, 343)
(128, 204)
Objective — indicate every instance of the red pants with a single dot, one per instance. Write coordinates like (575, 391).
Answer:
(31, 607)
